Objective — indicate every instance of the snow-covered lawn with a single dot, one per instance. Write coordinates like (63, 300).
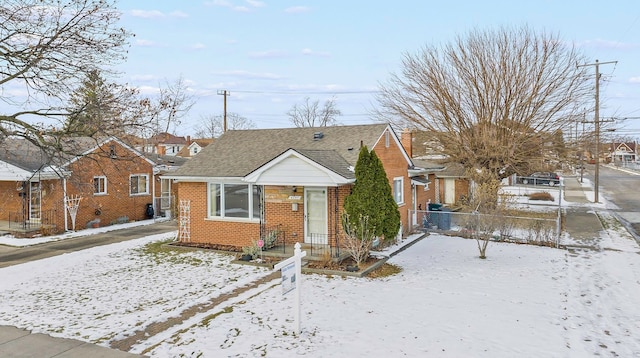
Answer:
(523, 301)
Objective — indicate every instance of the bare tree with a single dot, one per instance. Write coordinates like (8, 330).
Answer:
(47, 48)
(358, 237)
(310, 114)
(492, 99)
(212, 126)
(167, 109)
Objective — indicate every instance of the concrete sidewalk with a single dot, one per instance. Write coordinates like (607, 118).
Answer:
(19, 343)
(581, 221)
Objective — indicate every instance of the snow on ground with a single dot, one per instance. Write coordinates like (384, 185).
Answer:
(522, 301)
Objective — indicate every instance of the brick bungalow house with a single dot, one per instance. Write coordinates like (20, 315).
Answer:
(295, 179)
(113, 180)
(448, 179)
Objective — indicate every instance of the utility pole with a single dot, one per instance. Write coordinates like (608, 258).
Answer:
(597, 125)
(224, 93)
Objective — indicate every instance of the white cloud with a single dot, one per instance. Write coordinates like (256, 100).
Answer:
(309, 52)
(198, 46)
(634, 80)
(178, 13)
(239, 8)
(255, 3)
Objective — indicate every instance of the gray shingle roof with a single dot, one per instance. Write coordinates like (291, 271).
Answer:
(239, 152)
(24, 154)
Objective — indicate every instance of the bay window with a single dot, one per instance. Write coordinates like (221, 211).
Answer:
(234, 201)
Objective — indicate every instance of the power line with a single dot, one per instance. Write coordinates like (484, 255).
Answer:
(306, 92)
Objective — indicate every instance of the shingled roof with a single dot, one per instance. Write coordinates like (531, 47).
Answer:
(239, 152)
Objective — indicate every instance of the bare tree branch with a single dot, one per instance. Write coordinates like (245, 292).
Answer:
(310, 114)
(211, 126)
(492, 99)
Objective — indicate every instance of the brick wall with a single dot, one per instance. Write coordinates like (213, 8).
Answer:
(117, 202)
(395, 165)
(204, 230)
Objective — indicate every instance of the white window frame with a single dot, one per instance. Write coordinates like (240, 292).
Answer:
(100, 178)
(398, 184)
(146, 178)
(252, 215)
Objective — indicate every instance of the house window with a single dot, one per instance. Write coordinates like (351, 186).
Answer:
(398, 190)
(99, 185)
(234, 201)
(138, 184)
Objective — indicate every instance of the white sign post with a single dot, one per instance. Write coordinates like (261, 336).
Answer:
(291, 277)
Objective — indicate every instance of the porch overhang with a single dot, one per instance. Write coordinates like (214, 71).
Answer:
(419, 180)
(294, 168)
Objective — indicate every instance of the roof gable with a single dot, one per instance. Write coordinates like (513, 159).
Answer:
(309, 168)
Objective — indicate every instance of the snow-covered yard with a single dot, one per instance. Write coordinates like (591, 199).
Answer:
(522, 301)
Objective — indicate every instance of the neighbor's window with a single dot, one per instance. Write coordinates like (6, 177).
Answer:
(99, 185)
(139, 184)
(234, 201)
(398, 187)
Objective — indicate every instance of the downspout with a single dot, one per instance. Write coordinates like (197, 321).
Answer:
(336, 220)
(153, 190)
(64, 204)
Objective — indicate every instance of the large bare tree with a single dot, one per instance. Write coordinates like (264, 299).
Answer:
(310, 114)
(493, 99)
(47, 48)
(174, 101)
(212, 126)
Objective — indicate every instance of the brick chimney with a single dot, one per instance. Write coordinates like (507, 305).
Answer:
(406, 137)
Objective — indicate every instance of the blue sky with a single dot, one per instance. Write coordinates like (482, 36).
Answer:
(270, 55)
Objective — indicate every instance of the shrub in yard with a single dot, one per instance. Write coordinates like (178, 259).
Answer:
(542, 196)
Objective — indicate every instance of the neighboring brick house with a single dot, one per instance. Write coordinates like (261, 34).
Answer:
(296, 179)
(448, 179)
(165, 190)
(193, 148)
(165, 144)
(113, 180)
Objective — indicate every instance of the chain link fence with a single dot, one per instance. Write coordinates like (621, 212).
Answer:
(544, 231)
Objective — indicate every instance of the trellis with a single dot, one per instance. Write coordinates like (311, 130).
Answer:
(184, 221)
(72, 204)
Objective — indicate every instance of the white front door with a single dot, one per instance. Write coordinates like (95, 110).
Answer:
(34, 201)
(449, 191)
(414, 206)
(315, 216)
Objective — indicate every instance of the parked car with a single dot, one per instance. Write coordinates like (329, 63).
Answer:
(542, 178)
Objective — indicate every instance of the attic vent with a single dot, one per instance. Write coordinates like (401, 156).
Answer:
(318, 135)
